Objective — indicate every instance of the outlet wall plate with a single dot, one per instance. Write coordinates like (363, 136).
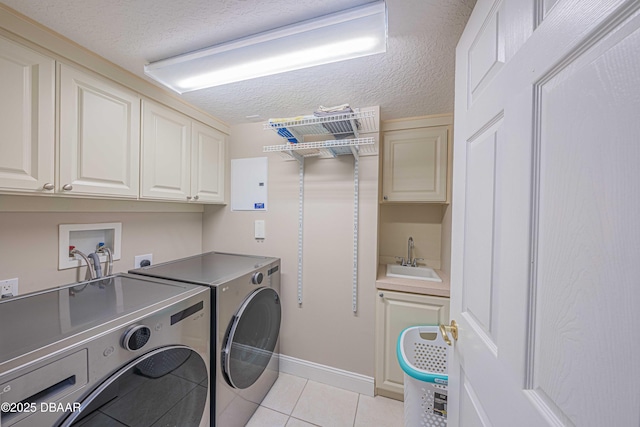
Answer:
(9, 287)
(139, 258)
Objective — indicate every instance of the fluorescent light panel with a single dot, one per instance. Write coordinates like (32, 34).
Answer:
(350, 34)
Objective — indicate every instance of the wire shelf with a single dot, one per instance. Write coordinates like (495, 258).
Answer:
(345, 130)
(330, 148)
(335, 124)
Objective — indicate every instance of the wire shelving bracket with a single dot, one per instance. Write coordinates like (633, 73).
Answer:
(341, 126)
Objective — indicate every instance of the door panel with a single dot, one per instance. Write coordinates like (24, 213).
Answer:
(487, 52)
(545, 224)
(588, 231)
(471, 412)
(480, 286)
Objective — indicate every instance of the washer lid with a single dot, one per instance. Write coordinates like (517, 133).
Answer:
(211, 268)
(43, 318)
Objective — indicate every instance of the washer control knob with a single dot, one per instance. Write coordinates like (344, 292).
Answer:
(257, 278)
(136, 337)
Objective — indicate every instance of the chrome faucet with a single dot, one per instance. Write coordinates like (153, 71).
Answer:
(92, 274)
(410, 261)
(108, 266)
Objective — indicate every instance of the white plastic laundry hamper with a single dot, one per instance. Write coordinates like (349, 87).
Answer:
(422, 354)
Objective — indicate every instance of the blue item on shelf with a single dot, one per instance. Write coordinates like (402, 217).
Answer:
(285, 133)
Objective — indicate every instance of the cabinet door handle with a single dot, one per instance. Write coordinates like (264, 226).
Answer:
(188, 197)
(48, 186)
(381, 295)
(385, 198)
(67, 187)
(196, 197)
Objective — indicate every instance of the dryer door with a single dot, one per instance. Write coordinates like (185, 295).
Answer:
(167, 386)
(251, 338)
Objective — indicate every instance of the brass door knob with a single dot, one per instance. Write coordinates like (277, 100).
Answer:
(445, 330)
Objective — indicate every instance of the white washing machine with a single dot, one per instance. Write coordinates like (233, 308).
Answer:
(246, 316)
(122, 351)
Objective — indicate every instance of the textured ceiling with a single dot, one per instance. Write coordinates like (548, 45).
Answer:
(413, 78)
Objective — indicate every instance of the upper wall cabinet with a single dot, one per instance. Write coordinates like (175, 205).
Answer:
(414, 167)
(166, 158)
(99, 136)
(207, 163)
(67, 130)
(182, 160)
(27, 119)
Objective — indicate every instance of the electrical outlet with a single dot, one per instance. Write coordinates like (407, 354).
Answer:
(8, 288)
(140, 260)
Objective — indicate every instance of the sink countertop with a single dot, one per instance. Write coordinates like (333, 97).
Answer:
(414, 286)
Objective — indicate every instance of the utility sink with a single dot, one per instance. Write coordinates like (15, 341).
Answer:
(417, 273)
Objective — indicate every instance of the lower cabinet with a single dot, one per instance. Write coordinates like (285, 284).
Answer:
(396, 311)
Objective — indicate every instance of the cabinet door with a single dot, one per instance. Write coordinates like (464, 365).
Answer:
(396, 311)
(166, 153)
(26, 118)
(415, 165)
(99, 136)
(207, 164)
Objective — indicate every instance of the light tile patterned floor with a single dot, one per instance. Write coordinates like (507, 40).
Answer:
(298, 402)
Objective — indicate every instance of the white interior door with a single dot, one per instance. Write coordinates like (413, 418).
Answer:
(546, 223)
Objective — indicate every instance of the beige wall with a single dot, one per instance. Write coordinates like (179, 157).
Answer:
(324, 329)
(29, 242)
(423, 222)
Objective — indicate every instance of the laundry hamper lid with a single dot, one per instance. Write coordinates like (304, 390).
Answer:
(407, 360)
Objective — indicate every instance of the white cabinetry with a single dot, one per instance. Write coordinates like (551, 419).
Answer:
(27, 119)
(99, 136)
(207, 163)
(414, 167)
(396, 311)
(166, 158)
(182, 160)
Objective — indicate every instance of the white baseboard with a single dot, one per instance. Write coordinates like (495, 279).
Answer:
(327, 375)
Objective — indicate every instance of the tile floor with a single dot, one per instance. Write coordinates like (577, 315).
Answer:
(298, 402)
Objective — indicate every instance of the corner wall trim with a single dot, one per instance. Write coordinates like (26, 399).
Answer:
(327, 375)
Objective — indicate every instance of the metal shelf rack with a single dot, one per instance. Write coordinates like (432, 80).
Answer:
(339, 127)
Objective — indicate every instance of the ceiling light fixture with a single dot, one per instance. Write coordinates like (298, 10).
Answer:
(349, 34)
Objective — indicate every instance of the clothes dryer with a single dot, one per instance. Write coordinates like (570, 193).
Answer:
(246, 316)
(121, 351)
